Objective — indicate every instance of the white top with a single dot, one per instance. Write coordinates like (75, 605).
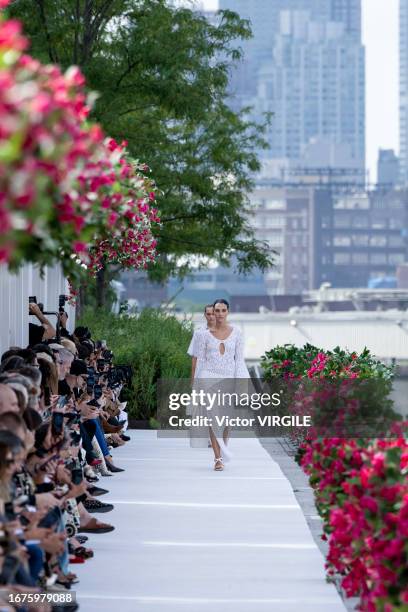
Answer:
(210, 361)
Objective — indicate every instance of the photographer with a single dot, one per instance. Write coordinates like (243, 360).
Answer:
(39, 333)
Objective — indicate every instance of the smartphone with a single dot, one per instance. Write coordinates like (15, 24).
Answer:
(62, 401)
(97, 390)
(9, 511)
(72, 417)
(57, 423)
(77, 476)
(51, 518)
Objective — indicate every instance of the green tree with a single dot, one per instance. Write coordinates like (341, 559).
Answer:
(162, 75)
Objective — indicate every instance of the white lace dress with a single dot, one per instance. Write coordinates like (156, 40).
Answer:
(216, 370)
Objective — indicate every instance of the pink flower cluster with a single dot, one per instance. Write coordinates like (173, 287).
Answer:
(361, 492)
(64, 188)
(360, 484)
(318, 365)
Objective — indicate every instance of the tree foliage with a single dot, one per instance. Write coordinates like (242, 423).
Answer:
(162, 75)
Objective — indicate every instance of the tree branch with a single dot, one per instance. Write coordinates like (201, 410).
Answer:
(134, 110)
(53, 56)
(76, 36)
(98, 21)
(128, 70)
(86, 37)
(189, 242)
(191, 216)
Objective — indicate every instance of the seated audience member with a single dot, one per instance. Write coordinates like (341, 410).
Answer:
(60, 420)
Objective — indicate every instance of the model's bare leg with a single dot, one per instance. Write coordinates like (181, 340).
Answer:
(225, 435)
(217, 451)
(214, 444)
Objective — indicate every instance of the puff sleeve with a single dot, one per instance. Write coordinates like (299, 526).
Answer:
(197, 344)
(241, 371)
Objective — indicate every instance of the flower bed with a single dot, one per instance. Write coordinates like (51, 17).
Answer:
(360, 484)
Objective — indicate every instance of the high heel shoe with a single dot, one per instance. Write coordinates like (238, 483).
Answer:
(218, 464)
(113, 468)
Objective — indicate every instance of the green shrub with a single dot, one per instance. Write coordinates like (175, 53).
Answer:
(153, 343)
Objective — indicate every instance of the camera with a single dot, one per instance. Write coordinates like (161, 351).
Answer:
(62, 299)
(107, 355)
(100, 364)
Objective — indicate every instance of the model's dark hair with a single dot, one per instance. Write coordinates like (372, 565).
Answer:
(208, 306)
(221, 301)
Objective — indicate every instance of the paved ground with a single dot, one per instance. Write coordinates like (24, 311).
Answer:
(188, 539)
(283, 453)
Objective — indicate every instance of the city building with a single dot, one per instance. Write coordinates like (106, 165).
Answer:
(387, 168)
(359, 238)
(327, 229)
(314, 85)
(306, 65)
(281, 218)
(403, 89)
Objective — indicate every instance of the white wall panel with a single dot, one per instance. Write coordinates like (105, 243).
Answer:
(14, 292)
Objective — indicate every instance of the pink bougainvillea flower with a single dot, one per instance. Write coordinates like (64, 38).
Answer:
(63, 185)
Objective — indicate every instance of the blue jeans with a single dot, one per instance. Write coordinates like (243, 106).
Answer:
(100, 436)
(35, 560)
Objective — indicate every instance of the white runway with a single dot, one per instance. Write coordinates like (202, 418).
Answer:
(189, 539)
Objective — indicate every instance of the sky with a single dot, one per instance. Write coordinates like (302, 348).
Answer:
(380, 36)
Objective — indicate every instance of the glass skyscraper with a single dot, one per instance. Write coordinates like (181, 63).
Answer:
(306, 65)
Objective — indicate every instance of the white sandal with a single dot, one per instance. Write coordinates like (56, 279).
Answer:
(218, 467)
